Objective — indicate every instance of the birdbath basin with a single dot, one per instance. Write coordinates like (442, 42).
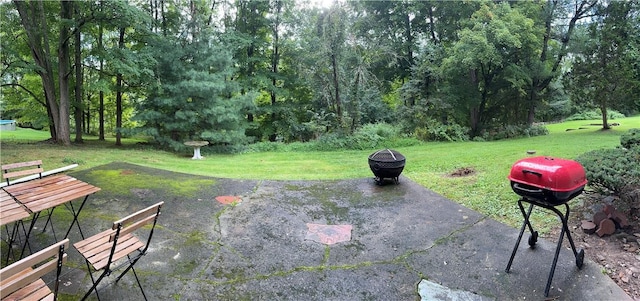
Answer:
(196, 148)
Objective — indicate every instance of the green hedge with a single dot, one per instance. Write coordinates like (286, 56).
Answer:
(630, 139)
(614, 169)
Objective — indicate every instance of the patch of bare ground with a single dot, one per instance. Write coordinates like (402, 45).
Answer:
(463, 172)
(617, 254)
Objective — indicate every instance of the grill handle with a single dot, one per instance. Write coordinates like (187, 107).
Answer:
(526, 171)
(516, 186)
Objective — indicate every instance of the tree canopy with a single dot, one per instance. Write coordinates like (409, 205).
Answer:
(239, 71)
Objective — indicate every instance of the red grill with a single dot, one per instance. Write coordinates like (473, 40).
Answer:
(547, 182)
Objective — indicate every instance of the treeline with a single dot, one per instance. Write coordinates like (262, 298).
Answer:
(237, 72)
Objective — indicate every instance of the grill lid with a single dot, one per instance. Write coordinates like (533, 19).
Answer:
(553, 174)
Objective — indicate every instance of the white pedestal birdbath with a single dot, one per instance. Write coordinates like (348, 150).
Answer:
(196, 148)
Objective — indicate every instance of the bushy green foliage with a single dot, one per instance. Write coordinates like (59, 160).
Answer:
(630, 139)
(611, 169)
(513, 131)
(595, 114)
(438, 131)
(381, 129)
(193, 99)
(370, 136)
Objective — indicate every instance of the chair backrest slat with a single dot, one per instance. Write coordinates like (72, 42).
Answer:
(137, 216)
(31, 268)
(132, 227)
(136, 221)
(14, 170)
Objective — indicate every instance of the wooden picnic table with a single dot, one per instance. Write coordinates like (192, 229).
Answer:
(49, 192)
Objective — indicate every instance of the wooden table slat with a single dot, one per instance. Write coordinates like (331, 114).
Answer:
(49, 192)
(10, 210)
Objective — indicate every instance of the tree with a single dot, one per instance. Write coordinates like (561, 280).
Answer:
(554, 45)
(22, 94)
(605, 74)
(34, 20)
(192, 97)
(484, 68)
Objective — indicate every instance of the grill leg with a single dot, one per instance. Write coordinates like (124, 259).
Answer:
(579, 254)
(565, 230)
(525, 223)
(555, 261)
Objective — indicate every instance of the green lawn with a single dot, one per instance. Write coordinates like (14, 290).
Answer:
(429, 164)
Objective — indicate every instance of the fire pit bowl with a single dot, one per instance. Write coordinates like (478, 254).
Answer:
(386, 164)
(548, 180)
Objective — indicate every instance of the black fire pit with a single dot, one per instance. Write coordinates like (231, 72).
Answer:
(386, 164)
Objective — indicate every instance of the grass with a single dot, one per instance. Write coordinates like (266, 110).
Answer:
(430, 164)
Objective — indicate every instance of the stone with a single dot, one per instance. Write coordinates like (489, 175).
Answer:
(328, 234)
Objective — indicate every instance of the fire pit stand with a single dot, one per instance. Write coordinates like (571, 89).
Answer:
(533, 238)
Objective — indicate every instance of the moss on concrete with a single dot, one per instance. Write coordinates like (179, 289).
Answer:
(122, 181)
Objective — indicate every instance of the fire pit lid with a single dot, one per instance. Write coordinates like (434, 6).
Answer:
(386, 155)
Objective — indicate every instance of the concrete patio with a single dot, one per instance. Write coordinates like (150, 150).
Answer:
(406, 243)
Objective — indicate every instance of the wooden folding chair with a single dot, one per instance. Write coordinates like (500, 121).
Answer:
(102, 251)
(22, 280)
(15, 170)
(29, 170)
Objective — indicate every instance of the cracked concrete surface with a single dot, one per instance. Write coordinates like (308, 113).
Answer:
(256, 249)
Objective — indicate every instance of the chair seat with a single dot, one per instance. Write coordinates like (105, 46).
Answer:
(96, 249)
(36, 290)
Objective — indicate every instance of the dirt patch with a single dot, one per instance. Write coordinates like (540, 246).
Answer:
(617, 254)
(463, 172)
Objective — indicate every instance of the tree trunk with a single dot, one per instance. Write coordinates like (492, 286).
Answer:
(605, 121)
(119, 95)
(275, 59)
(79, 113)
(87, 117)
(64, 131)
(101, 93)
(531, 114)
(336, 86)
(35, 25)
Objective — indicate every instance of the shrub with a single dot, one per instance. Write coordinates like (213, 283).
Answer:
(68, 160)
(612, 169)
(536, 130)
(438, 131)
(595, 114)
(514, 131)
(381, 129)
(630, 139)
(265, 146)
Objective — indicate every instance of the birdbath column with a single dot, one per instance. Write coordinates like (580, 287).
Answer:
(196, 148)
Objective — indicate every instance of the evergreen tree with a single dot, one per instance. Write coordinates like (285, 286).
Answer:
(193, 98)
